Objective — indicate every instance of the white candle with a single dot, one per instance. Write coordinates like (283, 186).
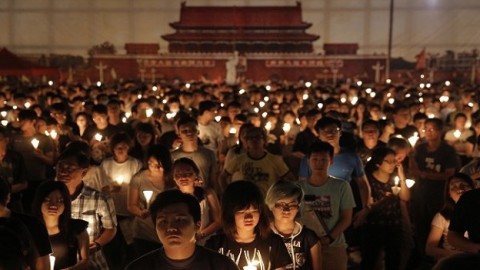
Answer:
(148, 195)
(233, 130)
(154, 88)
(266, 99)
(187, 85)
(286, 127)
(250, 267)
(217, 118)
(53, 134)
(119, 179)
(50, 83)
(410, 183)
(457, 133)
(308, 84)
(171, 115)
(27, 105)
(264, 114)
(4, 123)
(3, 113)
(305, 96)
(35, 143)
(241, 91)
(413, 140)
(396, 180)
(354, 100)
(388, 81)
(98, 137)
(52, 262)
(99, 83)
(343, 100)
(268, 126)
(149, 112)
(320, 105)
(261, 104)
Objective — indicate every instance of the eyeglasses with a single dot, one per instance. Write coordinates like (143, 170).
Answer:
(286, 207)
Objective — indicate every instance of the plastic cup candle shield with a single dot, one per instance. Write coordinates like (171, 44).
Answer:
(3, 113)
(35, 143)
(396, 188)
(98, 137)
(52, 262)
(410, 183)
(148, 195)
(233, 130)
(4, 123)
(413, 140)
(120, 179)
(53, 134)
(457, 133)
(149, 112)
(268, 126)
(217, 118)
(286, 127)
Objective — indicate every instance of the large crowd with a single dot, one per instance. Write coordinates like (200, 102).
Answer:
(177, 175)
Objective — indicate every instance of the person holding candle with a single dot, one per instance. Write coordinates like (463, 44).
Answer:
(247, 238)
(176, 216)
(458, 135)
(284, 200)
(383, 229)
(37, 151)
(186, 175)
(438, 245)
(68, 236)
(154, 179)
(119, 169)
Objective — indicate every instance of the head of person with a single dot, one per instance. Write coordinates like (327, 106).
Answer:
(401, 147)
(255, 139)
(159, 159)
(284, 199)
(383, 159)
(433, 129)
(144, 134)
(233, 108)
(114, 108)
(331, 104)
(187, 129)
(455, 186)
(59, 112)
(208, 109)
(419, 119)
(320, 156)
(71, 167)
(370, 130)
(53, 200)
(176, 216)
(82, 120)
(120, 145)
(243, 209)
(100, 116)
(185, 172)
(460, 120)
(27, 119)
(329, 130)
(401, 116)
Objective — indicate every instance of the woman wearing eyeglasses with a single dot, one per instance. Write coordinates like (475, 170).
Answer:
(383, 229)
(148, 183)
(284, 199)
(186, 176)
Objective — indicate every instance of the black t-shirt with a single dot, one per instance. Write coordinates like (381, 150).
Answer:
(466, 216)
(365, 153)
(299, 246)
(303, 141)
(271, 252)
(65, 244)
(37, 230)
(202, 259)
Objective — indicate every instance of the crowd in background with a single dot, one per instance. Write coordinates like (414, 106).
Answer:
(351, 176)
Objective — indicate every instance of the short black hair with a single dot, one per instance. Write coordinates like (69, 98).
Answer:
(174, 196)
(27, 114)
(371, 123)
(205, 106)
(99, 108)
(436, 121)
(327, 121)
(320, 147)
(80, 158)
(186, 120)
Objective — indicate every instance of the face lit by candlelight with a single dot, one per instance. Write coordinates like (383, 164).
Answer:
(120, 152)
(175, 226)
(247, 219)
(456, 188)
(184, 175)
(388, 164)
(53, 204)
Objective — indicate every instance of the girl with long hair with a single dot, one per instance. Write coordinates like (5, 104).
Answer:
(247, 238)
(68, 237)
(437, 244)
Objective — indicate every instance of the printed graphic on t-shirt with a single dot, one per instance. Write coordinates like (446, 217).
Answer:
(430, 164)
(245, 257)
(322, 206)
(253, 173)
(298, 256)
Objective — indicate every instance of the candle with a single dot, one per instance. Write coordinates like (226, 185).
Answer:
(119, 179)
(359, 83)
(89, 231)
(308, 84)
(241, 91)
(457, 133)
(256, 110)
(139, 96)
(27, 105)
(320, 105)
(99, 83)
(217, 118)
(410, 183)
(266, 99)
(268, 87)
(3, 113)
(124, 119)
(35, 143)
(187, 85)
(305, 96)
(368, 90)
(264, 114)
(343, 100)
(391, 101)
(154, 88)
(171, 115)
(4, 123)
(52, 262)
(372, 94)
(149, 112)
(250, 267)
(354, 100)
(388, 81)
(447, 83)
(148, 195)
(50, 83)
(98, 137)
(268, 126)
(233, 130)
(53, 134)
(413, 140)
(396, 188)
(286, 127)
(261, 104)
